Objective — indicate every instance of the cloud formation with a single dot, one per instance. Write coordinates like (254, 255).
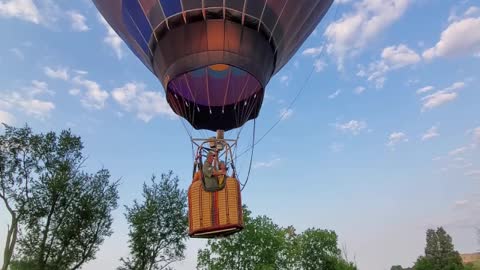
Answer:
(313, 51)
(266, 164)
(392, 58)
(59, 73)
(27, 101)
(78, 21)
(441, 97)
(112, 39)
(460, 38)
(430, 134)
(335, 94)
(353, 126)
(21, 9)
(43, 12)
(94, 97)
(351, 33)
(6, 118)
(133, 97)
(396, 138)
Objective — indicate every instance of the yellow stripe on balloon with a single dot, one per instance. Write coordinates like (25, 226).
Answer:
(219, 67)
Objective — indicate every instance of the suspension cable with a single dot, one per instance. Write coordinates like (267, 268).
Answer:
(251, 156)
(302, 88)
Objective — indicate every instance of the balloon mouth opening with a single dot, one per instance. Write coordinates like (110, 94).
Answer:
(215, 85)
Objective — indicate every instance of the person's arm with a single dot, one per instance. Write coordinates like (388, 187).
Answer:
(219, 172)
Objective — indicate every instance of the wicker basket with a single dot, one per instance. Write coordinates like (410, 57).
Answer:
(214, 214)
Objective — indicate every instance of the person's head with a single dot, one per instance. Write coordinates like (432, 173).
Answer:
(222, 165)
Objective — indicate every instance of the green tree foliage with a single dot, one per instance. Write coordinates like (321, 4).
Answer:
(17, 168)
(158, 226)
(439, 253)
(258, 246)
(318, 249)
(65, 212)
(265, 245)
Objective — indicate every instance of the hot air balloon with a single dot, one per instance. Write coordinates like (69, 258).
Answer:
(214, 59)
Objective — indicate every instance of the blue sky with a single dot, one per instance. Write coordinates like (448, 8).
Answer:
(382, 143)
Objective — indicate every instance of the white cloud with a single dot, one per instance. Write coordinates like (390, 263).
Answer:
(458, 151)
(393, 57)
(81, 72)
(441, 97)
(60, 73)
(26, 100)
(313, 51)
(472, 11)
(395, 138)
(399, 56)
(266, 164)
(21, 9)
(43, 12)
(357, 29)
(6, 118)
(285, 113)
(38, 88)
(145, 104)
(112, 39)
(18, 53)
(36, 108)
(94, 97)
(74, 91)
(460, 38)
(455, 86)
(430, 134)
(319, 65)
(437, 99)
(353, 126)
(334, 94)
(78, 21)
(425, 89)
(359, 90)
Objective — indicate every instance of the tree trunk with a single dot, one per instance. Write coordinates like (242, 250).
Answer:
(10, 243)
(41, 257)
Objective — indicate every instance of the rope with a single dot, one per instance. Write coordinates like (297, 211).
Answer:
(302, 88)
(251, 157)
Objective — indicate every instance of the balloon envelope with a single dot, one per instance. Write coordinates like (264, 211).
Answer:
(214, 58)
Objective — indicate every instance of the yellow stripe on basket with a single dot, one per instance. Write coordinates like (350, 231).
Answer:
(222, 207)
(206, 205)
(233, 200)
(195, 209)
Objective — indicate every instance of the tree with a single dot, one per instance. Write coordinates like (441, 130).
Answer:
(65, 212)
(17, 168)
(439, 253)
(258, 246)
(264, 245)
(318, 249)
(69, 220)
(158, 226)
